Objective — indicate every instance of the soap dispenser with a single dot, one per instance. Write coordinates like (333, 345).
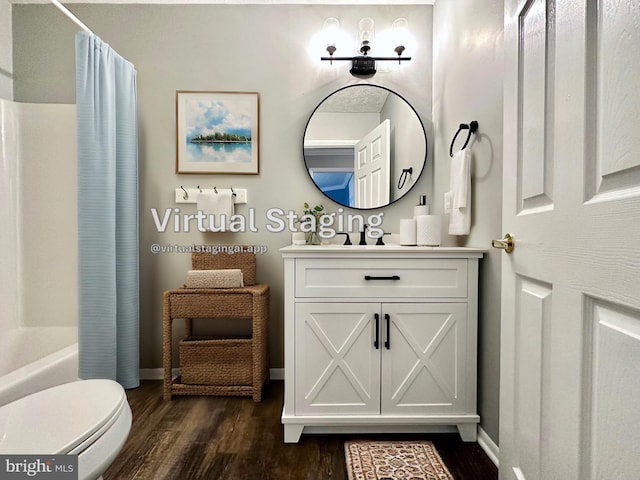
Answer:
(422, 208)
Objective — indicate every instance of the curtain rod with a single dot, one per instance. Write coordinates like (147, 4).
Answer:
(73, 18)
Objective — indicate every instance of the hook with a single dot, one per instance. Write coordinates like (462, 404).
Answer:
(232, 192)
(186, 195)
(403, 176)
(199, 189)
(215, 190)
(472, 127)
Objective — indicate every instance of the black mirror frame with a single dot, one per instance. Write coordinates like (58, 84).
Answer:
(424, 133)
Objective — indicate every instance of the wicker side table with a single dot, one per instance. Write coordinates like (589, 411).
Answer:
(244, 302)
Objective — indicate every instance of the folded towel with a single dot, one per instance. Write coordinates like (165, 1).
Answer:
(227, 278)
(218, 209)
(460, 193)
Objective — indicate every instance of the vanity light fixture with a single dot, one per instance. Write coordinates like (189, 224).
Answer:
(364, 65)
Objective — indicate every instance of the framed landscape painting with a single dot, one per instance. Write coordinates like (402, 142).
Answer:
(217, 132)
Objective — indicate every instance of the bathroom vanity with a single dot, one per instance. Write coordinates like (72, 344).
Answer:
(380, 339)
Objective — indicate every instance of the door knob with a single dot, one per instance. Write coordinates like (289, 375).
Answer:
(505, 244)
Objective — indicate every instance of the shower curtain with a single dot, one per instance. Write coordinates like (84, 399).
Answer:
(107, 213)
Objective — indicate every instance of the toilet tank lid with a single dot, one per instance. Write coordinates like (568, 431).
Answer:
(58, 419)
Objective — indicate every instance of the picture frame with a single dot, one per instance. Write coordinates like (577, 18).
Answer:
(217, 132)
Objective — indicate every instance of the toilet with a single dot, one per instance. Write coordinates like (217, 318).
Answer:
(88, 418)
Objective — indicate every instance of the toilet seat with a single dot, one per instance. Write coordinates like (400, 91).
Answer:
(65, 419)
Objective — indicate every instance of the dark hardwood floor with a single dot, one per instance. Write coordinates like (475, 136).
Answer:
(227, 438)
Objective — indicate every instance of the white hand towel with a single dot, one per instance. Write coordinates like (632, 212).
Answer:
(217, 208)
(460, 191)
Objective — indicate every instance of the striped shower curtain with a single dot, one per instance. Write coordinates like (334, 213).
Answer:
(107, 213)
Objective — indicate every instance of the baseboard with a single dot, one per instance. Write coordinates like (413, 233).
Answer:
(489, 447)
(158, 373)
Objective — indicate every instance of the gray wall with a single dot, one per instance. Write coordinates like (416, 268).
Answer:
(6, 63)
(218, 48)
(467, 86)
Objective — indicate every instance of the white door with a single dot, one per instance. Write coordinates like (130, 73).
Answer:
(337, 367)
(424, 361)
(570, 339)
(371, 167)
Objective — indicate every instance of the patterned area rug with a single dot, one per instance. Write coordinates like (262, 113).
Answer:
(415, 460)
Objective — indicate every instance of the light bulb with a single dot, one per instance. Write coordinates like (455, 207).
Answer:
(400, 33)
(330, 32)
(365, 32)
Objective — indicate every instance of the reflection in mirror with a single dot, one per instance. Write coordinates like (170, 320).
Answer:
(365, 146)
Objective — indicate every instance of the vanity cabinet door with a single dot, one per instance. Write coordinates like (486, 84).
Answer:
(337, 366)
(424, 370)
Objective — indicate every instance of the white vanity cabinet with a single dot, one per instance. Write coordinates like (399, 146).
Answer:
(380, 339)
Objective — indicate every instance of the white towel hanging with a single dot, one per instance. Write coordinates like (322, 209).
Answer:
(217, 208)
(459, 194)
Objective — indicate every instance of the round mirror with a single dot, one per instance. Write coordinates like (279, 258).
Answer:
(364, 146)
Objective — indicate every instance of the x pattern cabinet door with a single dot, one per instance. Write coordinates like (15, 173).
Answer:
(337, 366)
(423, 370)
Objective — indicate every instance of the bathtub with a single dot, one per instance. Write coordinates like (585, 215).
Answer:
(38, 274)
(35, 358)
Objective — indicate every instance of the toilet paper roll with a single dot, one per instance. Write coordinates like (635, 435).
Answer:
(407, 231)
(420, 210)
(429, 230)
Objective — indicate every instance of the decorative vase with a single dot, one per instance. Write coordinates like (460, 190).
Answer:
(313, 238)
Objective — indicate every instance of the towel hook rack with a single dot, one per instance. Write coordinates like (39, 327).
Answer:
(184, 194)
(472, 127)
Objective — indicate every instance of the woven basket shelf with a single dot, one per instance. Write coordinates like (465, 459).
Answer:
(212, 365)
(216, 361)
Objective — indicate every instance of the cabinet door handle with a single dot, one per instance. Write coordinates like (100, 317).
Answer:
(392, 277)
(387, 342)
(376, 343)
